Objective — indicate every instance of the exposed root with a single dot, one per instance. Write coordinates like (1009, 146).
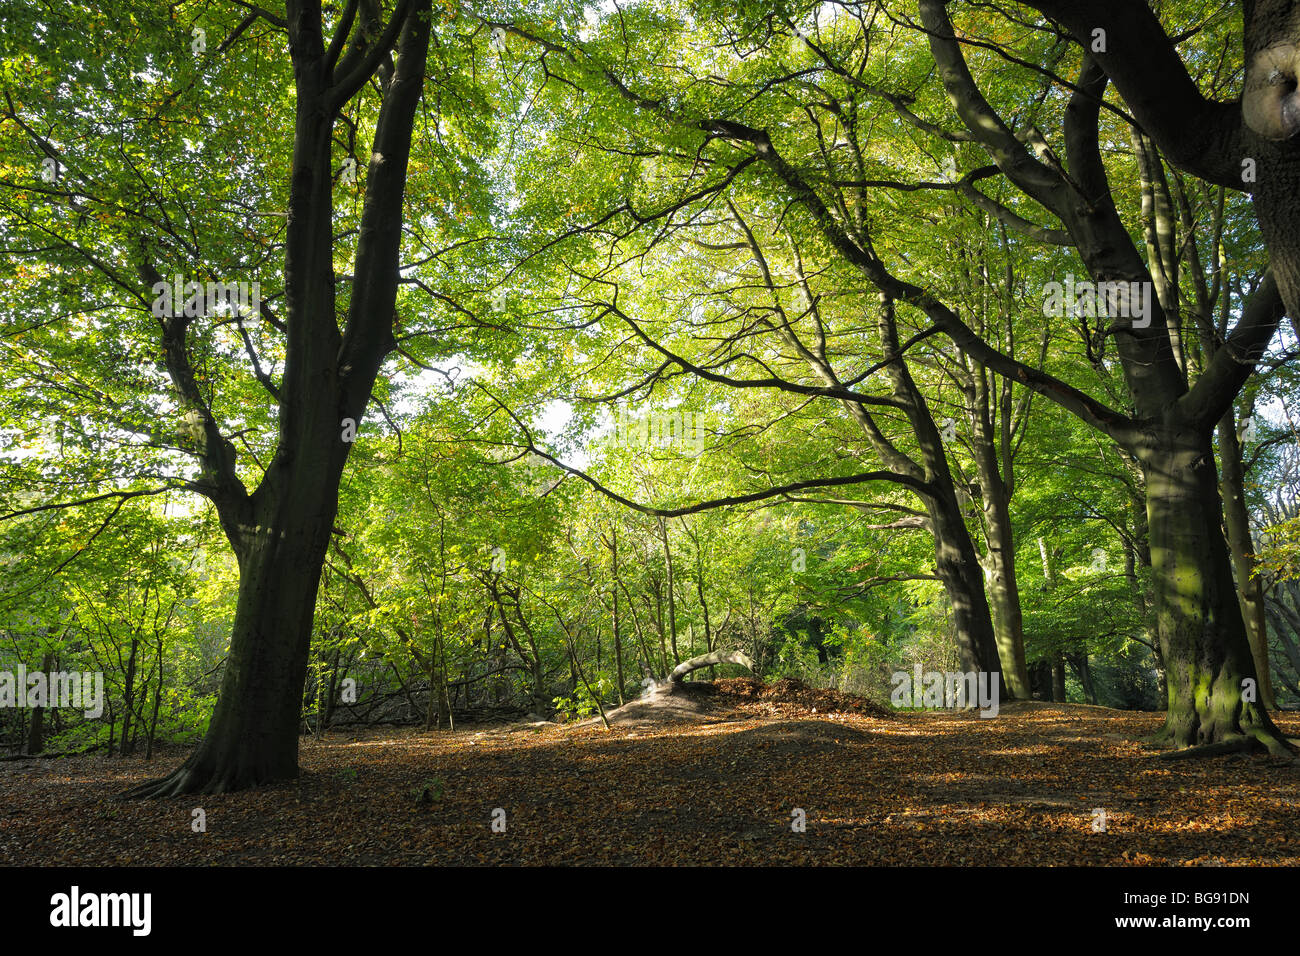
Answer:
(172, 785)
(179, 782)
(1275, 744)
(1238, 743)
(188, 780)
(1255, 739)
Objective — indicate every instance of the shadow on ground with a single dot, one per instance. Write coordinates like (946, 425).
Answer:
(1032, 786)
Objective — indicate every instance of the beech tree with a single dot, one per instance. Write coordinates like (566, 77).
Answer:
(326, 348)
(1170, 429)
(281, 530)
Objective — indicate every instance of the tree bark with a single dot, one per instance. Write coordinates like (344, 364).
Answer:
(1250, 591)
(958, 567)
(1200, 624)
(995, 499)
(618, 645)
(1082, 670)
(157, 700)
(252, 738)
(1058, 677)
(956, 562)
(128, 698)
(1040, 679)
(672, 599)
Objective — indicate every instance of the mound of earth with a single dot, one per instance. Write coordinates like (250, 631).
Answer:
(713, 701)
(790, 697)
(692, 702)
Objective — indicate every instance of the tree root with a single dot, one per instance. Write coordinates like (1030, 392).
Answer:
(1255, 739)
(1238, 743)
(187, 780)
(176, 783)
(1163, 737)
(708, 660)
(1276, 744)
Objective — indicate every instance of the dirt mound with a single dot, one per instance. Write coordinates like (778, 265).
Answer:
(706, 702)
(790, 697)
(693, 702)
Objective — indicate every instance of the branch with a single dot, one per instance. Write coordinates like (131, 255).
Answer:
(773, 381)
(530, 446)
(1233, 363)
(1199, 135)
(344, 89)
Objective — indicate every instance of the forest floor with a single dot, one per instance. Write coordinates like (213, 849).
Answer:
(719, 783)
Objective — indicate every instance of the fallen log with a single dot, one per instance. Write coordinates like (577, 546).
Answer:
(708, 660)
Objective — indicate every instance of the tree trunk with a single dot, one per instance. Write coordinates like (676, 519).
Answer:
(618, 645)
(642, 642)
(1040, 679)
(252, 738)
(1201, 630)
(657, 589)
(128, 699)
(1137, 553)
(958, 567)
(956, 561)
(1250, 591)
(704, 601)
(444, 702)
(1058, 677)
(672, 600)
(1082, 670)
(995, 499)
(157, 704)
(331, 693)
(1008, 618)
(431, 718)
(1049, 676)
(112, 724)
(36, 729)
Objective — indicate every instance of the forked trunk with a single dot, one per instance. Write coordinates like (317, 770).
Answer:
(281, 531)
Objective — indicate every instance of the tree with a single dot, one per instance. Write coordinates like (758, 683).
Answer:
(1203, 639)
(328, 346)
(281, 530)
